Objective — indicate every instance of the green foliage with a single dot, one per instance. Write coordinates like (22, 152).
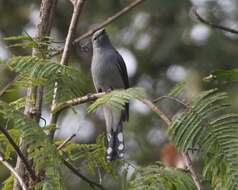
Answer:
(224, 75)
(34, 71)
(43, 153)
(93, 155)
(8, 183)
(5, 146)
(179, 88)
(204, 124)
(117, 98)
(160, 177)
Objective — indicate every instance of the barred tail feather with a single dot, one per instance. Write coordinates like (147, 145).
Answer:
(115, 145)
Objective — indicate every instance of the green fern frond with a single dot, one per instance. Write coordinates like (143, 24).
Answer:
(92, 154)
(43, 153)
(155, 177)
(117, 98)
(8, 183)
(34, 71)
(177, 89)
(204, 124)
(26, 41)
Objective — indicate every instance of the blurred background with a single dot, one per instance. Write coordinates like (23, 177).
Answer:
(162, 44)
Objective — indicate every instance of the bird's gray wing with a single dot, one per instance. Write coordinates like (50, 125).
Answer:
(122, 69)
(123, 72)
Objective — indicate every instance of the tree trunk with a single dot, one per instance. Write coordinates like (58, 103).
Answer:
(33, 108)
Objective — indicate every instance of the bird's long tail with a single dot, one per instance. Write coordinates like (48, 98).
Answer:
(115, 144)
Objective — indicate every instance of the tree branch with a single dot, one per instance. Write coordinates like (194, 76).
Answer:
(73, 2)
(19, 153)
(157, 110)
(66, 141)
(65, 56)
(189, 165)
(13, 171)
(76, 101)
(109, 20)
(75, 171)
(220, 27)
(33, 108)
(185, 155)
(171, 98)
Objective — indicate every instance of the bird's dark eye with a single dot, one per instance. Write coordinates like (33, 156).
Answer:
(96, 37)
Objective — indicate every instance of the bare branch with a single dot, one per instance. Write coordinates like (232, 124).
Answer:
(73, 2)
(171, 98)
(66, 141)
(19, 153)
(13, 171)
(92, 184)
(65, 56)
(76, 101)
(109, 20)
(220, 27)
(185, 156)
(77, 10)
(192, 171)
(157, 110)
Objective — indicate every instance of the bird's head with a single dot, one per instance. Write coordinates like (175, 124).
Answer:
(100, 38)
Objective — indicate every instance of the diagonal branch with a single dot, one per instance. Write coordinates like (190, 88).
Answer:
(66, 141)
(73, 2)
(65, 56)
(73, 24)
(189, 165)
(185, 155)
(19, 153)
(108, 20)
(13, 171)
(220, 27)
(75, 171)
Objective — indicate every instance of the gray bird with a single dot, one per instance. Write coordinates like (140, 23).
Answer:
(109, 72)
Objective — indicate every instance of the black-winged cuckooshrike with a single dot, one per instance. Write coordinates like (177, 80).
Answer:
(109, 72)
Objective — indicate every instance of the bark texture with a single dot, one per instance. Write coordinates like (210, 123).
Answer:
(33, 108)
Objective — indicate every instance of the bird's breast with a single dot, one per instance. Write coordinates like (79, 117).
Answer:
(105, 72)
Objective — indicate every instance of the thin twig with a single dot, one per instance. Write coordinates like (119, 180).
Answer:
(65, 56)
(109, 20)
(66, 141)
(99, 173)
(92, 184)
(157, 110)
(73, 2)
(13, 171)
(171, 98)
(192, 171)
(217, 26)
(5, 88)
(77, 10)
(19, 153)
